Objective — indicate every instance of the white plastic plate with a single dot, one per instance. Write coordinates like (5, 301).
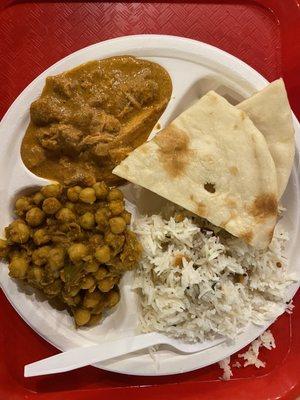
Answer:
(194, 68)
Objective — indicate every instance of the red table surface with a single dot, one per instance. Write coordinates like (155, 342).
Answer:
(263, 33)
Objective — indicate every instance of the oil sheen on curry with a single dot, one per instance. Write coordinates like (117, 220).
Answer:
(88, 119)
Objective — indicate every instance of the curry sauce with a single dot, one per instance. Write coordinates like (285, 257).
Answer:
(88, 119)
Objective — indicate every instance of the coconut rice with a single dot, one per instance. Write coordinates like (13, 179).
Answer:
(197, 283)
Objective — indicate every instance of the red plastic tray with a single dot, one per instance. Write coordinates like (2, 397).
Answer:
(263, 33)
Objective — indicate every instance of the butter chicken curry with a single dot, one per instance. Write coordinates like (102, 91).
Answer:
(90, 118)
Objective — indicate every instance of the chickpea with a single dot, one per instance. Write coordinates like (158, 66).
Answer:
(101, 190)
(101, 273)
(94, 320)
(18, 232)
(65, 215)
(41, 236)
(35, 216)
(92, 299)
(51, 205)
(91, 266)
(116, 207)
(106, 284)
(87, 195)
(127, 217)
(115, 194)
(82, 316)
(40, 255)
(70, 206)
(102, 254)
(3, 244)
(99, 307)
(87, 220)
(113, 298)
(88, 180)
(117, 225)
(36, 275)
(38, 198)
(73, 193)
(4, 249)
(77, 252)
(22, 205)
(18, 267)
(179, 217)
(56, 258)
(53, 190)
(102, 215)
(88, 282)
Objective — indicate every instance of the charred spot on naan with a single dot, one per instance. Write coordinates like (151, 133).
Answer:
(233, 170)
(264, 206)
(231, 203)
(243, 115)
(174, 152)
(210, 187)
(201, 209)
(247, 236)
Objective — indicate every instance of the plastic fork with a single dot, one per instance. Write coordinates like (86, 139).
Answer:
(82, 356)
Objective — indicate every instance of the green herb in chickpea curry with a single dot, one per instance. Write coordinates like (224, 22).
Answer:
(88, 119)
(74, 244)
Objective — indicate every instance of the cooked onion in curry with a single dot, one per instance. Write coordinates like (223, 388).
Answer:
(74, 244)
(90, 118)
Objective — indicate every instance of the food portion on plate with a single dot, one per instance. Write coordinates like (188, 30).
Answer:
(196, 282)
(214, 162)
(90, 118)
(270, 112)
(73, 244)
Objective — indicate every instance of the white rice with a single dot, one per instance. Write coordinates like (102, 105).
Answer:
(201, 299)
(250, 356)
(227, 371)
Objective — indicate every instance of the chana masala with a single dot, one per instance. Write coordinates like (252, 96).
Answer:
(73, 244)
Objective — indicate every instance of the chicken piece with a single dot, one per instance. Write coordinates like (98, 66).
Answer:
(81, 178)
(83, 117)
(69, 137)
(62, 85)
(46, 110)
(95, 138)
(48, 139)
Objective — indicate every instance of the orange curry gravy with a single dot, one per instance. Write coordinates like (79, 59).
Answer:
(88, 119)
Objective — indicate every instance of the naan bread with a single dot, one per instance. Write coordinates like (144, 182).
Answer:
(213, 161)
(270, 112)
